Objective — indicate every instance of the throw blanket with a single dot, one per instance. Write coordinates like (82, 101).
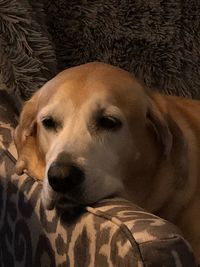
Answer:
(27, 58)
(158, 41)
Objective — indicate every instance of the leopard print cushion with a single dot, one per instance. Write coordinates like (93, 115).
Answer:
(111, 233)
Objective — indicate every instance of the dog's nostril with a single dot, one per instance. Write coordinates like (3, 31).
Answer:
(54, 177)
(63, 178)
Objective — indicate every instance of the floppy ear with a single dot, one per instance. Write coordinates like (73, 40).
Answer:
(172, 139)
(30, 159)
(157, 122)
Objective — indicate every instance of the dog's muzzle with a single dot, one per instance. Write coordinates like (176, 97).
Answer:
(65, 177)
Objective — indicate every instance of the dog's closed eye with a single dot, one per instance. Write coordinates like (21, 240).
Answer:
(49, 123)
(108, 123)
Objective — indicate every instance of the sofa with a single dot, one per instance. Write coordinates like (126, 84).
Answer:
(40, 38)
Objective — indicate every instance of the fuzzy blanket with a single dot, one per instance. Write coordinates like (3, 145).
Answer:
(27, 58)
(158, 41)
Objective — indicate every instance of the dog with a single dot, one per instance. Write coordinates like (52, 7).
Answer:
(94, 132)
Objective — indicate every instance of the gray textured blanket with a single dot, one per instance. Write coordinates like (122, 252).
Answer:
(27, 58)
(158, 41)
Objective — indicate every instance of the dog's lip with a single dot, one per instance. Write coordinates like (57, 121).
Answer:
(65, 202)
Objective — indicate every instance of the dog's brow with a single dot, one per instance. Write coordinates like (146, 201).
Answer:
(109, 110)
(57, 109)
(100, 110)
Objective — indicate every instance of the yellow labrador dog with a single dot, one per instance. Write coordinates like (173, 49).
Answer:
(93, 132)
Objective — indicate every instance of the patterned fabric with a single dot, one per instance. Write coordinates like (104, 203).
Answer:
(111, 233)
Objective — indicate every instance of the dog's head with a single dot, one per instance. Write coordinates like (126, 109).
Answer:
(85, 132)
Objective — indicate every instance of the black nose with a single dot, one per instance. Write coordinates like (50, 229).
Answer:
(64, 177)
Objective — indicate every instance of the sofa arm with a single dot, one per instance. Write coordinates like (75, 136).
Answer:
(111, 233)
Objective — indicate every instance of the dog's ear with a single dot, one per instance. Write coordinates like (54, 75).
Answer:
(157, 123)
(172, 140)
(30, 159)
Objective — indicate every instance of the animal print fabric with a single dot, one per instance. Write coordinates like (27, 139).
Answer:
(111, 233)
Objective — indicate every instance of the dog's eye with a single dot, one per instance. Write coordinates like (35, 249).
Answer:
(49, 123)
(109, 123)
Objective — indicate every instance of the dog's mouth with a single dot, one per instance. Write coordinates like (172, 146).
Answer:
(67, 203)
(78, 197)
(52, 199)
(62, 202)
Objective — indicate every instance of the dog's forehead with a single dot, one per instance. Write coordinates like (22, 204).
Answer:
(93, 83)
(66, 102)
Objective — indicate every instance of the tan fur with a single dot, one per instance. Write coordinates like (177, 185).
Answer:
(152, 160)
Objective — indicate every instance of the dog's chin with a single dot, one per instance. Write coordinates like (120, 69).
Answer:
(65, 202)
(47, 201)
(79, 198)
